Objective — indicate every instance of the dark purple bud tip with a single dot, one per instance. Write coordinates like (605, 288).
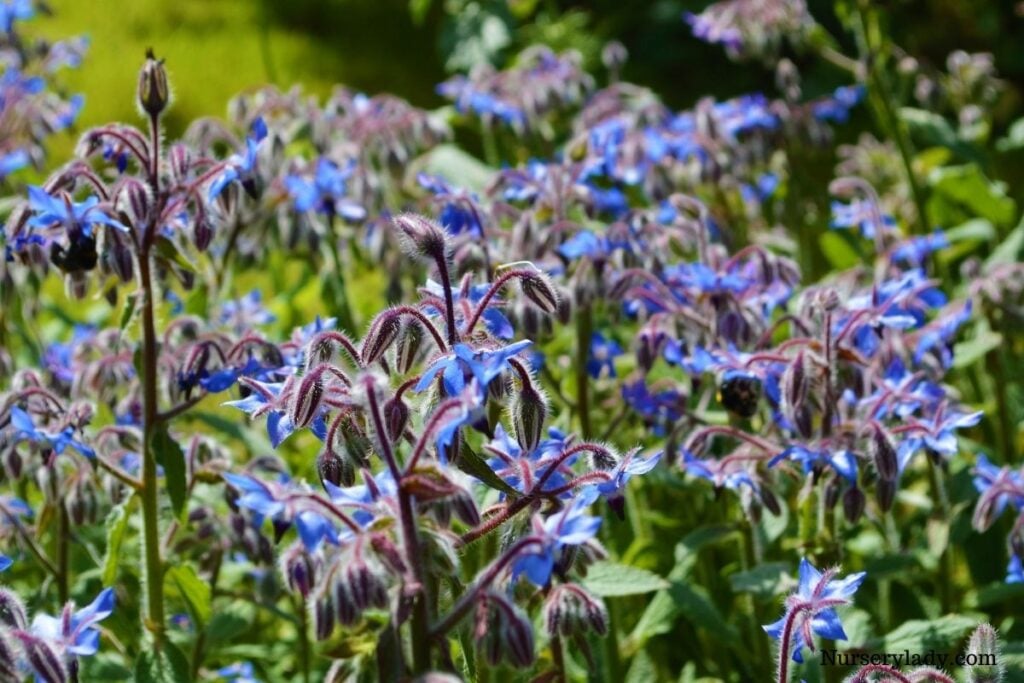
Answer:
(154, 93)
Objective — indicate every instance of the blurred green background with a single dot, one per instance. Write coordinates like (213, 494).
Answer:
(216, 48)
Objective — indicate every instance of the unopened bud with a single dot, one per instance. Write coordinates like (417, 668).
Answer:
(853, 504)
(885, 492)
(396, 417)
(298, 570)
(983, 656)
(571, 610)
(154, 93)
(410, 341)
(538, 289)
(421, 237)
(884, 454)
(308, 399)
(45, 662)
(334, 469)
(382, 334)
(529, 412)
(12, 610)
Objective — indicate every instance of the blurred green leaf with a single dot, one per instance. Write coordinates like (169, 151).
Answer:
(183, 581)
(116, 524)
(172, 459)
(1008, 251)
(967, 186)
(610, 579)
(167, 665)
(457, 166)
(838, 251)
(922, 635)
(763, 581)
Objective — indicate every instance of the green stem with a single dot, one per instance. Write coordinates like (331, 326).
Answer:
(584, 328)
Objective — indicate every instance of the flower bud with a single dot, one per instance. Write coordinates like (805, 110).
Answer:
(396, 417)
(502, 630)
(410, 341)
(983, 656)
(884, 454)
(308, 399)
(538, 289)
(335, 469)
(202, 232)
(421, 237)
(571, 610)
(179, 160)
(529, 412)
(298, 570)
(8, 658)
(46, 664)
(323, 615)
(853, 504)
(12, 610)
(153, 92)
(135, 202)
(383, 332)
(771, 502)
(885, 492)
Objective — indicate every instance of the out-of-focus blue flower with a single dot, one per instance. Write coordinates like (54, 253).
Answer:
(863, 215)
(14, 10)
(326, 191)
(812, 608)
(1006, 484)
(24, 429)
(915, 250)
(936, 432)
(842, 461)
(5, 563)
(837, 107)
(940, 334)
(75, 632)
(13, 161)
(284, 503)
(239, 672)
(241, 167)
(627, 467)
(58, 358)
(1015, 570)
(513, 465)
(464, 363)
(570, 527)
(601, 359)
(459, 214)
(245, 313)
(263, 401)
(731, 474)
(662, 408)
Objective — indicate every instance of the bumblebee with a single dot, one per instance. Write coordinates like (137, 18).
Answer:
(79, 256)
(739, 393)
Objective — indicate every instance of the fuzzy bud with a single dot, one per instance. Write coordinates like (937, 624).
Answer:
(179, 160)
(410, 341)
(153, 92)
(396, 417)
(298, 570)
(983, 656)
(383, 332)
(12, 610)
(135, 201)
(335, 469)
(46, 663)
(571, 610)
(308, 399)
(502, 630)
(8, 658)
(529, 412)
(885, 492)
(538, 289)
(323, 615)
(421, 237)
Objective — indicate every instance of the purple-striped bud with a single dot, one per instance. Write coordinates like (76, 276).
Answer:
(135, 201)
(795, 383)
(323, 615)
(538, 289)
(421, 237)
(298, 569)
(388, 553)
(8, 658)
(983, 656)
(41, 657)
(308, 399)
(396, 417)
(503, 631)
(410, 341)
(854, 502)
(335, 469)
(884, 454)
(12, 610)
(529, 413)
(153, 92)
(179, 160)
(383, 333)
(885, 493)
(570, 610)
(202, 232)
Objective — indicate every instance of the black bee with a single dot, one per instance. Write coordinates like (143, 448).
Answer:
(79, 256)
(739, 393)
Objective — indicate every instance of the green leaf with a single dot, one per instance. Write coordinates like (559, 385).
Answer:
(182, 580)
(472, 464)
(764, 581)
(128, 313)
(929, 129)
(449, 161)
(838, 251)
(1014, 137)
(169, 665)
(1009, 250)
(922, 635)
(116, 524)
(970, 351)
(172, 459)
(610, 579)
(968, 187)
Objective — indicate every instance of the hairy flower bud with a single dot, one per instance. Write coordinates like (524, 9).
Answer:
(134, 201)
(298, 569)
(8, 658)
(383, 332)
(529, 412)
(410, 341)
(12, 610)
(45, 662)
(333, 468)
(421, 237)
(308, 399)
(502, 630)
(570, 610)
(323, 615)
(885, 492)
(154, 93)
(983, 656)
(538, 289)
(179, 160)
